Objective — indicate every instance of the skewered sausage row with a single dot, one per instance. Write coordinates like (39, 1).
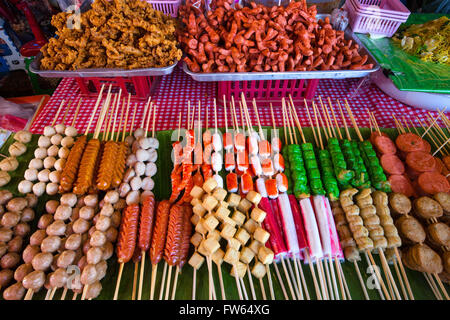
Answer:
(186, 235)
(106, 169)
(10, 163)
(128, 233)
(14, 230)
(41, 252)
(87, 167)
(69, 172)
(119, 168)
(174, 235)
(146, 222)
(159, 231)
(44, 171)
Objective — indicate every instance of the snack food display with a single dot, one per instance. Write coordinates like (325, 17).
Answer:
(230, 38)
(113, 34)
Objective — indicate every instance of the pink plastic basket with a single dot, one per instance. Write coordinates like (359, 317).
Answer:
(376, 21)
(138, 87)
(384, 7)
(168, 7)
(269, 91)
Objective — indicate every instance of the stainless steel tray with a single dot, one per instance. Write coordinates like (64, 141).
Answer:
(327, 74)
(92, 73)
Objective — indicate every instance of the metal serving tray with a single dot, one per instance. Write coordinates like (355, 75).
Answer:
(92, 73)
(327, 74)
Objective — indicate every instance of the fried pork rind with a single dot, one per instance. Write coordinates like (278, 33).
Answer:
(125, 34)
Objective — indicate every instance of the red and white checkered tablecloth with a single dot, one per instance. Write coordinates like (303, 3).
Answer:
(174, 91)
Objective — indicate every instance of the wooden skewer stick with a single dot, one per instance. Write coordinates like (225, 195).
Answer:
(405, 278)
(244, 289)
(238, 285)
(377, 273)
(358, 272)
(36, 113)
(269, 277)
(345, 282)
(295, 280)
(433, 286)
(75, 115)
(169, 278)
(326, 118)
(349, 137)
(153, 281)
(431, 137)
(388, 274)
(57, 113)
(313, 273)
(299, 126)
(431, 125)
(378, 286)
(310, 121)
(441, 286)
(133, 292)
(399, 277)
(335, 120)
(250, 280)
(222, 288)
(263, 289)
(141, 275)
(64, 293)
(280, 281)
(29, 295)
(119, 277)
(161, 289)
(175, 282)
(322, 279)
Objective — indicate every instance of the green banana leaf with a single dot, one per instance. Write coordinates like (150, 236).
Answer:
(418, 283)
(408, 72)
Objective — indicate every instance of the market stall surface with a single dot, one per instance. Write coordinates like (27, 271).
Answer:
(173, 92)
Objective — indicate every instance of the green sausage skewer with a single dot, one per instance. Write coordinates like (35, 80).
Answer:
(297, 169)
(342, 173)
(309, 156)
(328, 177)
(353, 157)
(377, 177)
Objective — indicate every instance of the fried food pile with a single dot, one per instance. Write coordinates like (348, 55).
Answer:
(262, 39)
(125, 34)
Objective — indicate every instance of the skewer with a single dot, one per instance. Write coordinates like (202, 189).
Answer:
(63, 295)
(335, 120)
(161, 289)
(169, 278)
(333, 282)
(321, 280)
(133, 292)
(387, 271)
(433, 286)
(244, 290)
(358, 272)
(402, 285)
(116, 292)
(269, 277)
(36, 113)
(345, 282)
(57, 113)
(250, 279)
(280, 281)
(405, 278)
(441, 286)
